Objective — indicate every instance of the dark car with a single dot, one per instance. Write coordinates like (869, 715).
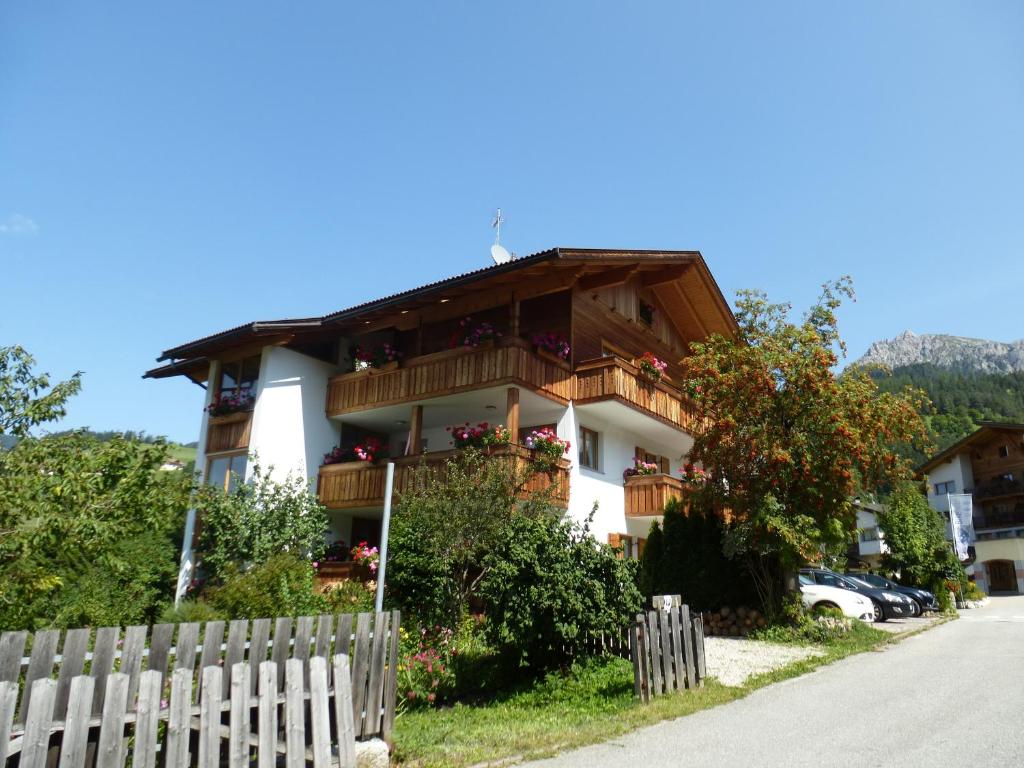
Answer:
(923, 599)
(888, 604)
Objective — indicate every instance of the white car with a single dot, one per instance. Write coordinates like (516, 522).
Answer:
(852, 604)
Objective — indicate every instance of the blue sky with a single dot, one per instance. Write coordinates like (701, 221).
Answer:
(170, 170)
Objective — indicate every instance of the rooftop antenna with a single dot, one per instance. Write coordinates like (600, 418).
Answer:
(498, 252)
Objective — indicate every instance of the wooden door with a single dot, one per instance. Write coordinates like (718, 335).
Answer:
(1001, 576)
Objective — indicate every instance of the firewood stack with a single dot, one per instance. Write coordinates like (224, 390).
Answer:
(732, 622)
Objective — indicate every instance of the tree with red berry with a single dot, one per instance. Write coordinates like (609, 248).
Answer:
(786, 440)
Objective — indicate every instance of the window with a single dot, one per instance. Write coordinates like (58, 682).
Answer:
(869, 534)
(588, 448)
(1004, 451)
(240, 376)
(941, 489)
(225, 471)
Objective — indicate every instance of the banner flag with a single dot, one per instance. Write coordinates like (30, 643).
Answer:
(961, 522)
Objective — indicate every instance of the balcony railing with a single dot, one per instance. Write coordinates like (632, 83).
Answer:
(229, 433)
(355, 485)
(612, 378)
(989, 519)
(997, 488)
(647, 495)
(510, 361)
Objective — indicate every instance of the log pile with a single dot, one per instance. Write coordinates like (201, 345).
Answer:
(733, 622)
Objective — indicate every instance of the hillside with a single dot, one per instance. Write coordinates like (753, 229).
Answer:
(953, 353)
(960, 399)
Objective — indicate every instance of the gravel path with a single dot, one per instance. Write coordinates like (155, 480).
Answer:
(733, 659)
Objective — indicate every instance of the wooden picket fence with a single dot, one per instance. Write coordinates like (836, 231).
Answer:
(113, 666)
(193, 735)
(667, 649)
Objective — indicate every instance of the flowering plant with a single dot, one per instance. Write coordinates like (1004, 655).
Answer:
(231, 402)
(651, 366)
(548, 447)
(641, 467)
(480, 436)
(362, 554)
(375, 358)
(425, 670)
(475, 336)
(369, 450)
(693, 475)
(551, 342)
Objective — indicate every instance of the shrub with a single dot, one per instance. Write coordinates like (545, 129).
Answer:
(684, 556)
(443, 529)
(350, 596)
(258, 520)
(548, 585)
(189, 612)
(282, 586)
(973, 592)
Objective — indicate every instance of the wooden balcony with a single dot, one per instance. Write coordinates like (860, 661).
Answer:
(229, 433)
(612, 378)
(356, 484)
(510, 361)
(647, 495)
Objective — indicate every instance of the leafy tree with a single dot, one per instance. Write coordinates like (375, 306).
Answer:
(257, 520)
(548, 586)
(444, 526)
(24, 399)
(915, 535)
(89, 531)
(787, 442)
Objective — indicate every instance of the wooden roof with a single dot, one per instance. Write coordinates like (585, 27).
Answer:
(985, 431)
(680, 279)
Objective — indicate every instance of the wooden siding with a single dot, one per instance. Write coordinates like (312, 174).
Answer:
(229, 433)
(595, 322)
(356, 484)
(511, 361)
(647, 495)
(612, 378)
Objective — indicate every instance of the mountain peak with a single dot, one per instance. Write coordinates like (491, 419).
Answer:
(955, 353)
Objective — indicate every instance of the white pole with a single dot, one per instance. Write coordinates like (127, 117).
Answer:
(385, 525)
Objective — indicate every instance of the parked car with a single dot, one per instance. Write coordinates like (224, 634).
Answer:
(852, 604)
(887, 604)
(923, 600)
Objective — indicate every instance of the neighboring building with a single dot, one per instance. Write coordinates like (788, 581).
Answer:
(989, 464)
(304, 396)
(870, 538)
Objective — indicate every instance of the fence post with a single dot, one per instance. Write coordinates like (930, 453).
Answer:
(686, 635)
(698, 643)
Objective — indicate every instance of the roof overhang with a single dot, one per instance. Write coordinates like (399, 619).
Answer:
(985, 431)
(680, 279)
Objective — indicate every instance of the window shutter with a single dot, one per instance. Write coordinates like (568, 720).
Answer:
(640, 544)
(664, 465)
(615, 539)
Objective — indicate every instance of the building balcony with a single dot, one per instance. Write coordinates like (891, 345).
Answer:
(510, 361)
(1006, 519)
(229, 433)
(1001, 488)
(612, 378)
(359, 485)
(647, 495)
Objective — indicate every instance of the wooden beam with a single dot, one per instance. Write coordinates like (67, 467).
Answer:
(415, 431)
(512, 413)
(663, 276)
(607, 278)
(513, 322)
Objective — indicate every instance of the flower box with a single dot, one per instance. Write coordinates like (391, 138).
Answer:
(549, 355)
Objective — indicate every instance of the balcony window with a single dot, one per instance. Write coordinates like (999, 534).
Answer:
(589, 445)
(941, 489)
(240, 376)
(225, 471)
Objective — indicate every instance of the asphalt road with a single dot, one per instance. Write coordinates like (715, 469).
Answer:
(951, 696)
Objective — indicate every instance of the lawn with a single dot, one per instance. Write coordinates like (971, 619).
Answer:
(591, 702)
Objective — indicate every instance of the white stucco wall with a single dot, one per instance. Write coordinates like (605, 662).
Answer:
(957, 470)
(290, 431)
(616, 448)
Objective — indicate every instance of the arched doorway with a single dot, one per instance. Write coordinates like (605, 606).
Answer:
(1001, 576)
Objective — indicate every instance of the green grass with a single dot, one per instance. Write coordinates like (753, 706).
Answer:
(182, 453)
(591, 703)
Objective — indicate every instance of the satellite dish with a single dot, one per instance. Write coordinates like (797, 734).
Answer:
(500, 255)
